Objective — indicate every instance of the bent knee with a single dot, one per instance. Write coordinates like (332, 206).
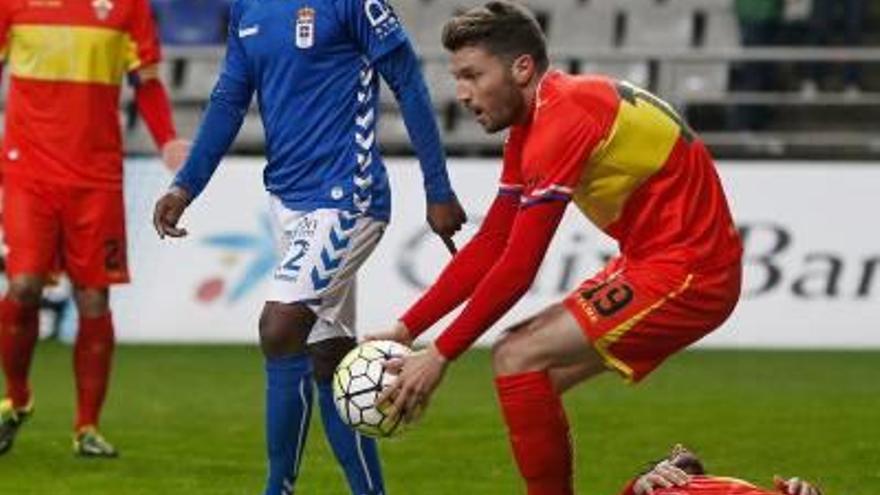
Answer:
(512, 354)
(92, 303)
(26, 290)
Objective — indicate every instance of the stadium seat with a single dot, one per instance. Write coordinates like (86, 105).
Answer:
(425, 24)
(705, 4)
(193, 80)
(575, 27)
(392, 130)
(440, 81)
(722, 28)
(658, 26)
(468, 134)
(635, 72)
(685, 79)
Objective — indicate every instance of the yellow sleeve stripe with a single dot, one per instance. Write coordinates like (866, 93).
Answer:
(69, 53)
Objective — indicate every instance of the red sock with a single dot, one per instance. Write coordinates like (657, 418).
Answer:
(538, 432)
(19, 329)
(92, 356)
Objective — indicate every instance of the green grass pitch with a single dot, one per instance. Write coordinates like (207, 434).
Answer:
(188, 420)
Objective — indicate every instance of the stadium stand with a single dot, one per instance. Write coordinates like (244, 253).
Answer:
(684, 50)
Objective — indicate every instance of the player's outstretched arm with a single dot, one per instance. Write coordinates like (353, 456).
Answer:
(151, 99)
(220, 124)
(154, 107)
(795, 486)
(400, 69)
(460, 277)
(508, 279)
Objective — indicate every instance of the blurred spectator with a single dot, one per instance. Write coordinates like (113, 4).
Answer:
(836, 22)
(759, 24)
(192, 22)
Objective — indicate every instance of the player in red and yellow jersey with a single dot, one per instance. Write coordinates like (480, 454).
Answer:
(630, 165)
(62, 181)
(682, 473)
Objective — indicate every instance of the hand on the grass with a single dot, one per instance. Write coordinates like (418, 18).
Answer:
(664, 475)
(174, 153)
(168, 211)
(446, 219)
(418, 375)
(397, 333)
(795, 486)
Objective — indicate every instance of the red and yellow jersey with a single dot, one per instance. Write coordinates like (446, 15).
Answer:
(711, 485)
(67, 60)
(630, 165)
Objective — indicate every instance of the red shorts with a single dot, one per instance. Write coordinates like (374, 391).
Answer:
(636, 314)
(50, 227)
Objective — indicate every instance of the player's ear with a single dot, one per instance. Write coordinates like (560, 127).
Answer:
(523, 69)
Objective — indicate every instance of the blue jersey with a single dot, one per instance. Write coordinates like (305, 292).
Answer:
(311, 63)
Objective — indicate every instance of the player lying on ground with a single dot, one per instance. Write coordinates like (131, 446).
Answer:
(637, 172)
(62, 179)
(682, 473)
(314, 69)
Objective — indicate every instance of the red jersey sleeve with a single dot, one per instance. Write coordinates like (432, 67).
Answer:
(563, 139)
(144, 49)
(511, 182)
(507, 280)
(461, 276)
(466, 270)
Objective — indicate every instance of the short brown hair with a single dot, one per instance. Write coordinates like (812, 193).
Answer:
(502, 27)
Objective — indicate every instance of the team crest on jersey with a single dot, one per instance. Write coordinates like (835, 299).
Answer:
(305, 27)
(102, 8)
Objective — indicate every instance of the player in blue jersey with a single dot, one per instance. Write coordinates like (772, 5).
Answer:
(313, 64)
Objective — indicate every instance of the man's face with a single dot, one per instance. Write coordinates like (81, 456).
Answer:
(485, 86)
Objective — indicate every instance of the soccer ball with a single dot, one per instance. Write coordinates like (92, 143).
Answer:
(357, 383)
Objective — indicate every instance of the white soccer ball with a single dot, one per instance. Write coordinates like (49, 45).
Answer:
(359, 380)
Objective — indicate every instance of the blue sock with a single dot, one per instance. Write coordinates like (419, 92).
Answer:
(356, 453)
(288, 411)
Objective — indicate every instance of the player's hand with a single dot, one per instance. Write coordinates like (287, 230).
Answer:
(664, 475)
(397, 333)
(174, 153)
(445, 219)
(795, 486)
(168, 211)
(418, 375)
